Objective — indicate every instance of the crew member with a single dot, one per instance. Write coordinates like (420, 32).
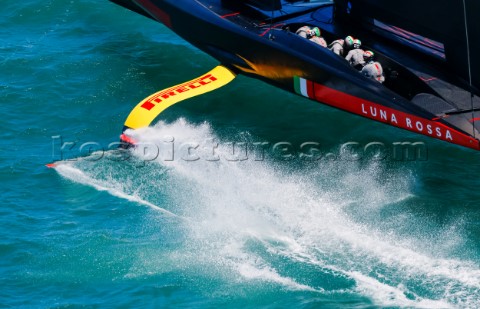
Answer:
(340, 46)
(355, 56)
(372, 69)
(308, 32)
(313, 34)
(337, 46)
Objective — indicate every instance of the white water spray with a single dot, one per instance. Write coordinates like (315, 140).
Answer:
(247, 215)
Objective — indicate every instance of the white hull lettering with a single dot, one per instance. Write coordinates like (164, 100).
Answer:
(419, 126)
(448, 135)
(394, 119)
(363, 109)
(414, 125)
(383, 115)
(409, 123)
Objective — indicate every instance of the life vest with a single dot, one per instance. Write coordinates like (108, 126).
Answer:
(355, 57)
(374, 70)
(340, 42)
(319, 40)
(303, 31)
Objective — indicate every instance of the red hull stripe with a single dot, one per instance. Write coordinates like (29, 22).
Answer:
(475, 119)
(156, 12)
(388, 115)
(310, 89)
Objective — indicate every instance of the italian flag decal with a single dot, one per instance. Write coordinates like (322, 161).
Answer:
(300, 85)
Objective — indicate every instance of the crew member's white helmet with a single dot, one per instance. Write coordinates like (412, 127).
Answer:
(349, 41)
(368, 55)
(315, 31)
(357, 43)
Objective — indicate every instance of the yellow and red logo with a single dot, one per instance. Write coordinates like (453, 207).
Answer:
(170, 92)
(148, 109)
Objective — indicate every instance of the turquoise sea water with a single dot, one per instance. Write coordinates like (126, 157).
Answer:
(237, 232)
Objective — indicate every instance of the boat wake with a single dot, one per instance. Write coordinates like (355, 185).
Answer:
(69, 171)
(326, 228)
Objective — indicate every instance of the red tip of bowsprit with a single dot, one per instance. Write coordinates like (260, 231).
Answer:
(127, 141)
(51, 165)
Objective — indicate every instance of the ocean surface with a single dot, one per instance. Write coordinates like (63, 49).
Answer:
(299, 206)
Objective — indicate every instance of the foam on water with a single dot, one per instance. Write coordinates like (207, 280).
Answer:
(264, 221)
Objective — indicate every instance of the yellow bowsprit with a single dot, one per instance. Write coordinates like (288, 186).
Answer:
(147, 110)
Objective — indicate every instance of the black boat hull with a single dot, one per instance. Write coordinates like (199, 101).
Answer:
(296, 65)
